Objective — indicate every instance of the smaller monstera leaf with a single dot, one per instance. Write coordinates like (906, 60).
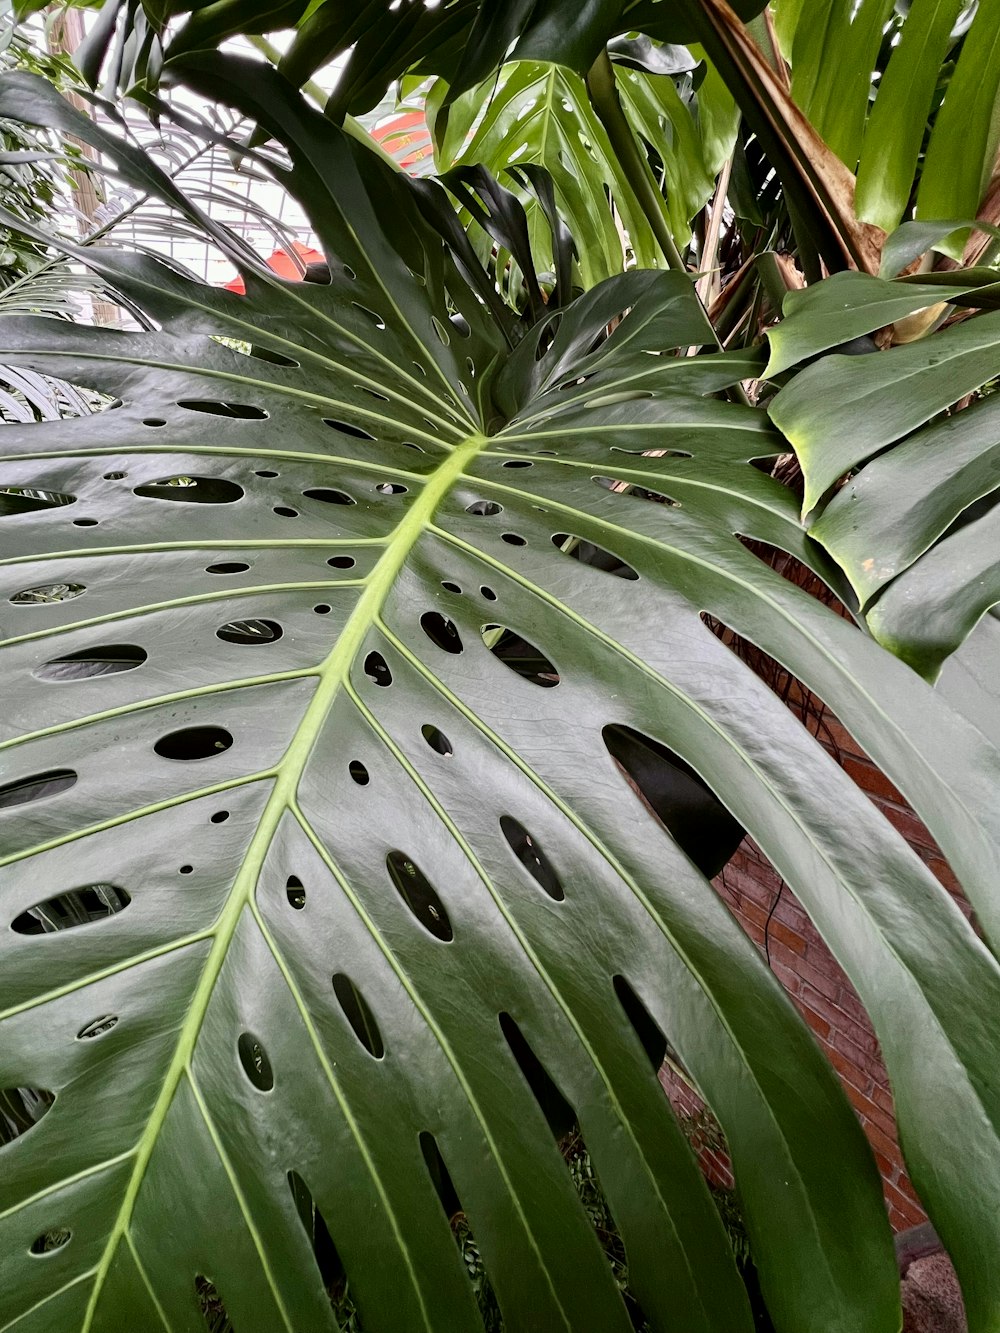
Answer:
(914, 525)
(330, 855)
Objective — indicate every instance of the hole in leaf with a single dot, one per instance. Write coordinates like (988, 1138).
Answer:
(211, 1305)
(441, 631)
(358, 1014)
(436, 739)
(484, 508)
(328, 1261)
(518, 462)
(107, 660)
(654, 1043)
(416, 891)
(700, 824)
(513, 539)
(153, 421)
(373, 393)
(192, 490)
(358, 772)
(554, 1106)
(37, 787)
(186, 870)
(244, 411)
(256, 1065)
(589, 554)
(636, 492)
(377, 669)
(441, 1179)
(97, 1027)
(652, 453)
(341, 562)
(532, 857)
(440, 330)
(228, 567)
(391, 488)
(328, 496)
(323, 609)
(377, 320)
(50, 1241)
(21, 1109)
(488, 593)
(266, 472)
(220, 816)
(76, 907)
(283, 511)
(47, 594)
(346, 428)
(449, 586)
(85, 522)
(116, 476)
(521, 656)
(250, 631)
(295, 892)
(16, 500)
(193, 743)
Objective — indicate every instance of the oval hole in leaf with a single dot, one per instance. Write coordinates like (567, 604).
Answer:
(192, 490)
(589, 554)
(228, 567)
(16, 500)
(484, 508)
(329, 496)
(359, 773)
(266, 472)
(256, 1065)
(97, 1027)
(295, 892)
(654, 1043)
(191, 743)
(50, 1241)
(346, 428)
(220, 816)
(520, 656)
(518, 462)
(210, 1303)
(37, 787)
(391, 488)
(513, 538)
(243, 411)
(76, 907)
(636, 492)
(488, 593)
(153, 421)
(341, 562)
(531, 856)
(21, 1109)
(359, 1015)
(373, 393)
(416, 891)
(377, 320)
(328, 1261)
(553, 1104)
(700, 824)
(436, 739)
(377, 669)
(107, 660)
(440, 630)
(444, 1186)
(283, 511)
(48, 594)
(250, 631)
(449, 586)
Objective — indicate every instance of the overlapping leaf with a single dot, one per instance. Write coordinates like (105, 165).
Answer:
(914, 524)
(293, 793)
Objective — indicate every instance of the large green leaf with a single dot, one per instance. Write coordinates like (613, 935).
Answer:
(914, 525)
(262, 716)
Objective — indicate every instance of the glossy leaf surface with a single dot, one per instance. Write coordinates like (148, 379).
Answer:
(330, 947)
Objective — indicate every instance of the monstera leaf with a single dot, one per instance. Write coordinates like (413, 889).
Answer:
(914, 522)
(339, 675)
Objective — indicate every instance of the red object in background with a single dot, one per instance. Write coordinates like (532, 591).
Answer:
(282, 263)
(408, 131)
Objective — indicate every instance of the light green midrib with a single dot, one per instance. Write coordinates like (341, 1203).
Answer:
(332, 676)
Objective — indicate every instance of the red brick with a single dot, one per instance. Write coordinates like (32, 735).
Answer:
(909, 825)
(859, 1079)
(872, 780)
(779, 931)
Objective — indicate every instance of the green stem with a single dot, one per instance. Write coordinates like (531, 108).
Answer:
(603, 92)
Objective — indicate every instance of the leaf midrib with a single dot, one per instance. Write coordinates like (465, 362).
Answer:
(332, 676)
